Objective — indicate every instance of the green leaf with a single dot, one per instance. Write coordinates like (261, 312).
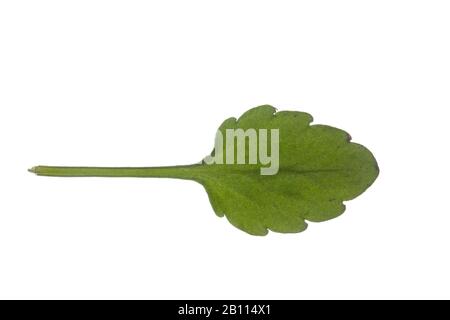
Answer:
(319, 168)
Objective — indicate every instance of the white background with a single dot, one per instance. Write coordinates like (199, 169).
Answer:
(147, 83)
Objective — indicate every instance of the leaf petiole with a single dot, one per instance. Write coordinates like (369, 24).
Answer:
(177, 172)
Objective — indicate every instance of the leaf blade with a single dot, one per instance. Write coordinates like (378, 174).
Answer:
(320, 168)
